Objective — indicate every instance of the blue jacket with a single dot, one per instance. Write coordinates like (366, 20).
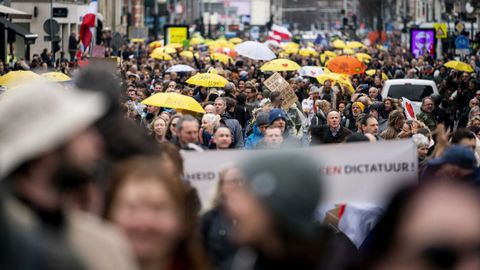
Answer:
(254, 139)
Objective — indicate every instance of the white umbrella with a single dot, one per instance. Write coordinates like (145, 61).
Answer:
(180, 68)
(311, 71)
(255, 50)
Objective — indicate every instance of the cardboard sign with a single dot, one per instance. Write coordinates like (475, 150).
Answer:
(175, 33)
(351, 173)
(277, 83)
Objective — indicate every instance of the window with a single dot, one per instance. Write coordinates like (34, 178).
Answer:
(410, 91)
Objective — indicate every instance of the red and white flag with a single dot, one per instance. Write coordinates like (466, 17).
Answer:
(276, 38)
(281, 32)
(408, 107)
(86, 33)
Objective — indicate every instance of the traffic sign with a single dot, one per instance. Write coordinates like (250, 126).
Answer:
(51, 27)
(440, 30)
(462, 42)
(459, 27)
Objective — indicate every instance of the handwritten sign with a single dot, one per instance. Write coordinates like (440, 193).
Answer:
(277, 83)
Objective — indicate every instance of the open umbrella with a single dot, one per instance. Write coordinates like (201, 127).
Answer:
(188, 54)
(164, 50)
(340, 79)
(19, 77)
(235, 40)
(56, 76)
(339, 44)
(160, 56)
(372, 72)
(355, 45)
(222, 58)
(207, 80)
(175, 45)
(155, 44)
(180, 68)
(346, 64)
(348, 51)
(458, 65)
(255, 50)
(363, 57)
(308, 52)
(280, 65)
(174, 101)
(312, 71)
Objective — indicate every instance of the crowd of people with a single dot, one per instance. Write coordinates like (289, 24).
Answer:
(92, 178)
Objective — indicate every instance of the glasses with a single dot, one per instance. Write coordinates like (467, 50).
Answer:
(446, 257)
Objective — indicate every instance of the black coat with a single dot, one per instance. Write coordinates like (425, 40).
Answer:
(323, 135)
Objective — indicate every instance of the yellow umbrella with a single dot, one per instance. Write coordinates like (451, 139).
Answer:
(208, 80)
(348, 51)
(208, 41)
(308, 52)
(280, 65)
(235, 40)
(340, 79)
(175, 45)
(196, 41)
(310, 44)
(174, 101)
(355, 45)
(188, 54)
(372, 72)
(160, 56)
(56, 76)
(339, 44)
(222, 58)
(290, 50)
(155, 44)
(19, 77)
(458, 65)
(330, 54)
(164, 50)
(363, 57)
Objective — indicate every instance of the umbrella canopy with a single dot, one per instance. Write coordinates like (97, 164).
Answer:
(308, 52)
(340, 79)
(160, 56)
(458, 65)
(346, 64)
(174, 101)
(19, 77)
(235, 40)
(155, 44)
(280, 65)
(180, 68)
(208, 80)
(196, 41)
(56, 77)
(175, 45)
(255, 50)
(222, 58)
(339, 44)
(164, 50)
(348, 51)
(330, 54)
(372, 72)
(312, 71)
(188, 54)
(355, 45)
(363, 57)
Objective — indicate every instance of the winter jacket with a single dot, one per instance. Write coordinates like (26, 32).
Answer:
(254, 139)
(235, 128)
(428, 119)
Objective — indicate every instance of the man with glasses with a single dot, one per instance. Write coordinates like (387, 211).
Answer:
(251, 93)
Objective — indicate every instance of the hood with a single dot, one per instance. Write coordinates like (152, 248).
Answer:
(257, 131)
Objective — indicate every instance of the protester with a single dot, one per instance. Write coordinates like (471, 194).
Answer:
(332, 132)
(222, 138)
(278, 223)
(426, 115)
(209, 123)
(187, 133)
(159, 129)
(259, 128)
(231, 123)
(395, 122)
(147, 199)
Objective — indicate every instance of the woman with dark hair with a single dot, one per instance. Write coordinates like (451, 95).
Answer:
(148, 200)
(171, 129)
(430, 226)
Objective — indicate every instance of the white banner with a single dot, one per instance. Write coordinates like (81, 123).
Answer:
(352, 173)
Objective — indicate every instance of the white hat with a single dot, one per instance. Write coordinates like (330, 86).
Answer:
(39, 118)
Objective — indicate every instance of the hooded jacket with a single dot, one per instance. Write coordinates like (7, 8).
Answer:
(254, 139)
(235, 128)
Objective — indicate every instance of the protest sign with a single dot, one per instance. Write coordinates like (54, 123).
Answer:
(175, 33)
(277, 83)
(358, 172)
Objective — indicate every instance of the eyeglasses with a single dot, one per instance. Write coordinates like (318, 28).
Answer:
(444, 256)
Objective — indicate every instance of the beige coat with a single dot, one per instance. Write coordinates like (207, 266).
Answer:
(99, 245)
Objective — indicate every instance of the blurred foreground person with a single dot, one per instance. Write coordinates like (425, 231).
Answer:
(148, 200)
(274, 211)
(217, 226)
(39, 168)
(427, 227)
